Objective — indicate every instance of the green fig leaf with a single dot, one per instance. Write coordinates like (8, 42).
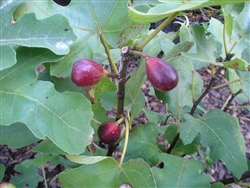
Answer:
(178, 172)
(135, 99)
(180, 99)
(208, 49)
(18, 139)
(82, 159)
(62, 117)
(245, 81)
(153, 11)
(94, 22)
(136, 173)
(48, 147)
(8, 57)
(225, 139)
(142, 144)
(2, 170)
(30, 176)
(53, 33)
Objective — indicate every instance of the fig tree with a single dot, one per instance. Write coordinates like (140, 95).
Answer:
(161, 74)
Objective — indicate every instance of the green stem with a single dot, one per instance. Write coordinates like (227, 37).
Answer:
(96, 121)
(125, 141)
(133, 52)
(111, 60)
(225, 84)
(224, 39)
(229, 100)
(235, 43)
(236, 107)
(212, 71)
(193, 86)
(120, 120)
(243, 184)
(156, 31)
(44, 177)
(226, 102)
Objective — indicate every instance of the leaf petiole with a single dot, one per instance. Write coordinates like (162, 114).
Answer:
(225, 84)
(125, 141)
(156, 31)
(111, 60)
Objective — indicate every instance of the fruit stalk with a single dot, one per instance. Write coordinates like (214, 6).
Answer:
(125, 141)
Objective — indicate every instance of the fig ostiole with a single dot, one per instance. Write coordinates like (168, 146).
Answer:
(86, 72)
(161, 74)
(109, 132)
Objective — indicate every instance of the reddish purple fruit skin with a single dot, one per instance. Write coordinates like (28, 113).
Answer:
(109, 132)
(161, 74)
(86, 72)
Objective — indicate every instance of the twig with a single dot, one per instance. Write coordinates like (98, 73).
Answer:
(232, 179)
(205, 92)
(173, 144)
(226, 105)
(125, 58)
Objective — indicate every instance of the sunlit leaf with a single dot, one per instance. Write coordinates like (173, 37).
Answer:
(91, 19)
(208, 49)
(53, 32)
(153, 11)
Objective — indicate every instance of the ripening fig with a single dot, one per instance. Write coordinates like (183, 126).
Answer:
(86, 72)
(109, 132)
(161, 74)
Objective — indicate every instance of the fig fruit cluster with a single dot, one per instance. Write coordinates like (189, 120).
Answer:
(161, 74)
(85, 72)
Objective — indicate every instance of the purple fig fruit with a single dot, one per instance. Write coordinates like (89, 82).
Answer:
(161, 74)
(86, 72)
(109, 132)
